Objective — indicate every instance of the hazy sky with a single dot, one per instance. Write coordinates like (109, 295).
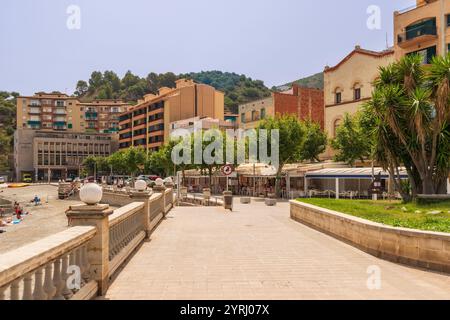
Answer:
(276, 41)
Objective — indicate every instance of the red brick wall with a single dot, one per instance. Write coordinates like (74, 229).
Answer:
(304, 102)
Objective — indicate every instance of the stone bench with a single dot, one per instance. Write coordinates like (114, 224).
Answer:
(246, 200)
(270, 202)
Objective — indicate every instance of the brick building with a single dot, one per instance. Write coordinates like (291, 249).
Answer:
(305, 103)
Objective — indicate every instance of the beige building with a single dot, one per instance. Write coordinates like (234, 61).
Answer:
(59, 112)
(148, 123)
(423, 28)
(205, 123)
(57, 155)
(349, 84)
(251, 113)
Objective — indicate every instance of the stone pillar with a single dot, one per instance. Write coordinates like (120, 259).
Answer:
(161, 189)
(143, 196)
(98, 247)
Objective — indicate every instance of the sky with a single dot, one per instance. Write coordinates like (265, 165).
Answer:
(276, 41)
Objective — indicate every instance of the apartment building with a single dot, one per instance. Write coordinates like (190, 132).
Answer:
(204, 123)
(59, 112)
(423, 28)
(305, 103)
(148, 123)
(349, 84)
(57, 155)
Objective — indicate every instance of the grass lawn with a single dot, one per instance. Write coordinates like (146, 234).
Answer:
(391, 213)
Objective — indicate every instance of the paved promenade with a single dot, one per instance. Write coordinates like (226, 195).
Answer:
(258, 252)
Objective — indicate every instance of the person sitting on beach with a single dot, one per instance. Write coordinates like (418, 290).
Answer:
(36, 200)
(19, 213)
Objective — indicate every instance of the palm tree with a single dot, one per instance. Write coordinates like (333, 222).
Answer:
(408, 118)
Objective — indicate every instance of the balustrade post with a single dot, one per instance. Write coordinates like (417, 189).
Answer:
(98, 247)
(143, 196)
(160, 188)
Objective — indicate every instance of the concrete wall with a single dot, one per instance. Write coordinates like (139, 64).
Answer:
(417, 248)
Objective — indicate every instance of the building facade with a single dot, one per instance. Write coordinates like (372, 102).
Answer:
(349, 84)
(59, 112)
(251, 113)
(423, 28)
(57, 155)
(148, 123)
(205, 123)
(305, 103)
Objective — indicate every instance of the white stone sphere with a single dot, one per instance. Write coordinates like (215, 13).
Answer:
(140, 185)
(159, 182)
(91, 193)
(168, 180)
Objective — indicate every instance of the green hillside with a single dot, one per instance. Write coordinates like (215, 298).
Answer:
(107, 85)
(314, 81)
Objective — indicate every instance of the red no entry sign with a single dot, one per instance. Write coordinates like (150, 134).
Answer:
(227, 169)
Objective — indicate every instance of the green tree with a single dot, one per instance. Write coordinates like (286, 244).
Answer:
(291, 138)
(351, 142)
(82, 88)
(410, 112)
(96, 81)
(134, 158)
(90, 164)
(118, 163)
(315, 142)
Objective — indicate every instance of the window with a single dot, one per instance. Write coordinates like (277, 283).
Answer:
(427, 54)
(263, 113)
(338, 97)
(243, 117)
(448, 20)
(336, 125)
(357, 93)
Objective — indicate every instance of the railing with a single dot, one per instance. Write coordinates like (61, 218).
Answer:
(78, 262)
(156, 205)
(126, 231)
(168, 200)
(41, 270)
(417, 32)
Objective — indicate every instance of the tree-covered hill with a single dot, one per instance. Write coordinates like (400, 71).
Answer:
(107, 85)
(7, 126)
(314, 81)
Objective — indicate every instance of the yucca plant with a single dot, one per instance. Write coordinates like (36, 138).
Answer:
(410, 122)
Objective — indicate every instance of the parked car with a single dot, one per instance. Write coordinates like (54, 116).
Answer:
(27, 178)
(2, 180)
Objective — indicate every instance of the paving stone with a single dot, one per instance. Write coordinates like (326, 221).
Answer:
(258, 252)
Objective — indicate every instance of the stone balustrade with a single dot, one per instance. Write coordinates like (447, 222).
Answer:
(126, 232)
(168, 200)
(156, 209)
(78, 263)
(43, 270)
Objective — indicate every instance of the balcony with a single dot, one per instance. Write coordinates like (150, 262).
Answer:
(35, 110)
(416, 35)
(59, 127)
(60, 111)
